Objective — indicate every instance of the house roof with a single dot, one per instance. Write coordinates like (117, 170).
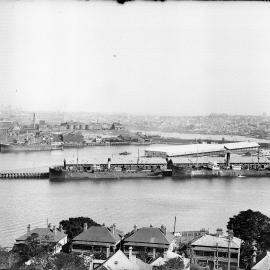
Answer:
(120, 261)
(98, 234)
(212, 241)
(263, 264)
(149, 235)
(117, 261)
(45, 235)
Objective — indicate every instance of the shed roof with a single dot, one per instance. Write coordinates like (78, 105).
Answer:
(220, 160)
(190, 149)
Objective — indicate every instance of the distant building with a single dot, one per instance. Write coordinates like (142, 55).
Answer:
(216, 251)
(117, 126)
(99, 241)
(46, 236)
(149, 242)
(5, 127)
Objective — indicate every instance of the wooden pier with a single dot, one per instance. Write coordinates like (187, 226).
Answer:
(30, 173)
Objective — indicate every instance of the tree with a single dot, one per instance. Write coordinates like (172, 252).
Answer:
(172, 264)
(74, 226)
(64, 261)
(251, 226)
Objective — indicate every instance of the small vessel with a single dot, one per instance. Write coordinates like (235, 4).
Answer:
(125, 153)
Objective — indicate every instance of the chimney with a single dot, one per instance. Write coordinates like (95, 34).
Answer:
(203, 231)
(130, 252)
(108, 252)
(219, 232)
(91, 262)
(163, 229)
(230, 234)
(85, 227)
(28, 229)
(135, 228)
(54, 230)
(113, 228)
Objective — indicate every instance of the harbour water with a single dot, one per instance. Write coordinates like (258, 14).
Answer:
(197, 203)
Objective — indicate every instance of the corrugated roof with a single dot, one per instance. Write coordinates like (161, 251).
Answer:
(240, 145)
(212, 241)
(149, 235)
(98, 234)
(45, 235)
(220, 160)
(189, 149)
(263, 264)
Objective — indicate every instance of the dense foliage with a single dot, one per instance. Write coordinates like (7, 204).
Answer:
(74, 226)
(251, 226)
(172, 264)
(44, 261)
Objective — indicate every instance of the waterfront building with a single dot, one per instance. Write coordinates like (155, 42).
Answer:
(263, 264)
(117, 126)
(148, 243)
(55, 237)
(216, 251)
(5, 127)
(99, 241)
(200, 149)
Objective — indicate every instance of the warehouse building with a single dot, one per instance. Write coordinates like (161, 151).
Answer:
(200, 149)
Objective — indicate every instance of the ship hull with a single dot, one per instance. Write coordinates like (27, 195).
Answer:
(205, 173)
(61, 175)
(6, 148)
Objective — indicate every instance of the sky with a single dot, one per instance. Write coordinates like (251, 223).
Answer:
(173, 58)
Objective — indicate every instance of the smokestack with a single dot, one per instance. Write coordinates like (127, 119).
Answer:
(85, 227)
